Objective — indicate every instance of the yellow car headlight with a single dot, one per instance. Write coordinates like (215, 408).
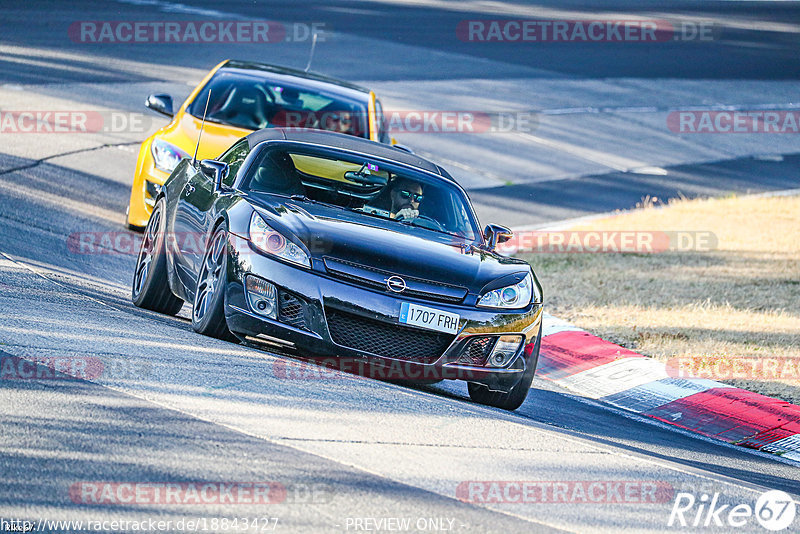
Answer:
(166, 156)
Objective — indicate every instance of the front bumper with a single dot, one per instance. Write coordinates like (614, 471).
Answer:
(325, 297)
(141, 204)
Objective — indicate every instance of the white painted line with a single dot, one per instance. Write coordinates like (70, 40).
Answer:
(660, 392)
(790, 445)
(615, 377)
(554, 325)
(791, 456)
(788, 458)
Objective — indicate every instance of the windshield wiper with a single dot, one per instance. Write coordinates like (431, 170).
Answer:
(303, 198)
(208, 119)
(225, 123)
(445, 232)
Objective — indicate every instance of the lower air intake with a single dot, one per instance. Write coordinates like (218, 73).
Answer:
(386, 339)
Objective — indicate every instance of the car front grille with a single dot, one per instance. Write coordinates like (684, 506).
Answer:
(385, 339)
(292, 310)
(376, 279)
(476, 350)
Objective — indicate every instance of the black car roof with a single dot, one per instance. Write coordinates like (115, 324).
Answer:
(347, 142)
(309, 80)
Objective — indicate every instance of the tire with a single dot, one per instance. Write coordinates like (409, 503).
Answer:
(208, 309)
(150, 288)
(514, 398)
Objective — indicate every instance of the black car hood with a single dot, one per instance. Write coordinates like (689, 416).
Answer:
(332, 234)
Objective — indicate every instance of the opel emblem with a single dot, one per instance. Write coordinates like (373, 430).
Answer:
(395, 284)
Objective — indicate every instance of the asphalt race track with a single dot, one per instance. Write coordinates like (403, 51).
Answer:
(350, 452)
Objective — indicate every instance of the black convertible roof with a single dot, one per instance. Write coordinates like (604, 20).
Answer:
(346, 142)
(294, 73)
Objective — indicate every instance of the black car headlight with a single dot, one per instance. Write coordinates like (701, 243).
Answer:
(166, 156)
(512, 297)
(272, 242)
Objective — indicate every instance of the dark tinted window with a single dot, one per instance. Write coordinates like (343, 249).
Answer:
(383, 127)
(234, 157)
(374, 190)
(253, 103)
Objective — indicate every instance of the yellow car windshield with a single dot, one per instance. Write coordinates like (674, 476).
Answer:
(253, 102)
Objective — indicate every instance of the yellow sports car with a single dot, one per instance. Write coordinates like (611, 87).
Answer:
(246, 96)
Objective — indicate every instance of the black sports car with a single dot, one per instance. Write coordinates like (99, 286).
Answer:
(346, 249)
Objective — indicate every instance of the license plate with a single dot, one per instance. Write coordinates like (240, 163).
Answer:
(430, 318)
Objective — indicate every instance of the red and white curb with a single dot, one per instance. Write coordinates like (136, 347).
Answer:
(601, 370)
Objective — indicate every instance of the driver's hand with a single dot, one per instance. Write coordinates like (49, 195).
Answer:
(407, 214)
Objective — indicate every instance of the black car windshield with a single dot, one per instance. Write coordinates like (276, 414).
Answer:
(396, 195)
(253, 102)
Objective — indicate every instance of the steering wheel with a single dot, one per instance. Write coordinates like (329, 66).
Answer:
(436, 224)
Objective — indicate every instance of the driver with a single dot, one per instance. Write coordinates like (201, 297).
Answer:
(406, 195)
(340, 122)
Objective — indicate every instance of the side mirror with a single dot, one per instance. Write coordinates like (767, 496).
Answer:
(160, 104)
(496, 234)
(215, 170)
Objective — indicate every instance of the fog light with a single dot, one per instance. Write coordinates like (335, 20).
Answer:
(504, 350)
(261, 296)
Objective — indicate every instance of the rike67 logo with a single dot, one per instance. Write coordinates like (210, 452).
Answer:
(774, 510)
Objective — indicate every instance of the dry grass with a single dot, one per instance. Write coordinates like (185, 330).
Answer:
(740, 300)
